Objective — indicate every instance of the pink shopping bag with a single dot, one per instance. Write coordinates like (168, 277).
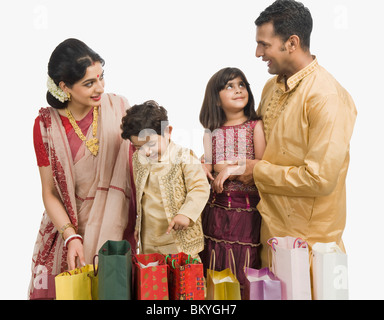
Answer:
(290, 264)
(261, 285)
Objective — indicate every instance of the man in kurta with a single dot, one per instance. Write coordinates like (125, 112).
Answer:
(308, 121)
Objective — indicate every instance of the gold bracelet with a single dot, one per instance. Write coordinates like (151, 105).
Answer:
(65, 227)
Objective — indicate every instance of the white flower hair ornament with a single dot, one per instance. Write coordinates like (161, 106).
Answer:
(56, 91)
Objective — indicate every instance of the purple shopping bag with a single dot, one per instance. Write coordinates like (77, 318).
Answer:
(261, 285)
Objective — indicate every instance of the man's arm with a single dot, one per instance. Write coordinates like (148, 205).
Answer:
(331, 124)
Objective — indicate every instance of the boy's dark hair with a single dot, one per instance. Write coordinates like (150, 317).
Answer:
(289, 18)
(148, 115)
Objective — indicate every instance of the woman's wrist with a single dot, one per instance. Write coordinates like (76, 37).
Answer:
(67, 230)
(71, 238)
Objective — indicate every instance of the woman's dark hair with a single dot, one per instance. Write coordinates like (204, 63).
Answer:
(212, 116)
(148, 115)
(69, 62)
(289, 18)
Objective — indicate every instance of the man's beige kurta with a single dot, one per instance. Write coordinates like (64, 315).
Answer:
(301, 178)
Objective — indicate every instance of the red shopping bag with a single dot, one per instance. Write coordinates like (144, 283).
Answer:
(186, 277)
(150, 277)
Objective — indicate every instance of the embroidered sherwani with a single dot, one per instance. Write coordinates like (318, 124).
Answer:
(176, 184)
(301, 179)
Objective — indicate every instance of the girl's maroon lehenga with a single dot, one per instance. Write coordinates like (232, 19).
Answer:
(230, 219)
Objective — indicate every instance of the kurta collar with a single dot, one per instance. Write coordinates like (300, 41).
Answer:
(166, 156)
(294, 80)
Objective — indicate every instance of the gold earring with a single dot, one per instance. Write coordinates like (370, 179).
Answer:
(69, 96)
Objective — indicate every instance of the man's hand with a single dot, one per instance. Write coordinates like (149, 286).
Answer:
(246, 176)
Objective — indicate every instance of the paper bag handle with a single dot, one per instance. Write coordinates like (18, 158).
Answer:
(213, 257)
(233, 261)
(246, 261)
(95, 271)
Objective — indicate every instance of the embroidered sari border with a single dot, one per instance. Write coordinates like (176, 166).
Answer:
(102, 189)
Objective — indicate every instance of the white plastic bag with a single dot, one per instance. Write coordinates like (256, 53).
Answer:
(330, 272)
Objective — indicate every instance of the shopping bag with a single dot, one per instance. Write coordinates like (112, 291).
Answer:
(150, 276)
(290, 264)
(115, 270)
(260, 284)
(43, 285)
(222, 285)
(77, 284)
(330, 272)
(186, 277)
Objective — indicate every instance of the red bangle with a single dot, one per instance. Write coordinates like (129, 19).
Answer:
(72, 238)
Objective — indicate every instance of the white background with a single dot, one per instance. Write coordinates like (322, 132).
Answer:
(167, 50)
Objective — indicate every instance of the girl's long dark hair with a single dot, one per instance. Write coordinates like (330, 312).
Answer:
(212, 115)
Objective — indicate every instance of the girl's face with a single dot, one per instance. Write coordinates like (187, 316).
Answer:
(234, 96)
(87, 91)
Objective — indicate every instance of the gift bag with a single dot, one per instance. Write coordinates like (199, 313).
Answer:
(290, 264)
(150, 276)
(260, 284)
(186, 277)
(77, 284)
(330, 272)
(43, 286)
(115, 270)
(222, 285)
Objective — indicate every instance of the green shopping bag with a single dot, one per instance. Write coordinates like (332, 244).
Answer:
(115, 271)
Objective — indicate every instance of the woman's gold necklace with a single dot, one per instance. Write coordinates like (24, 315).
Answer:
(92, 144)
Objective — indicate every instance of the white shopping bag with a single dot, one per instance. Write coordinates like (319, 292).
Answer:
(330, 272)
(290, 264)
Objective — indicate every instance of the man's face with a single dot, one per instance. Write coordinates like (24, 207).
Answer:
(272, 49)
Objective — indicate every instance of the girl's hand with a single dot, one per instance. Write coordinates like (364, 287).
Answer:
(207, 172)
(218, 183)
(179, 222)
(75, 249)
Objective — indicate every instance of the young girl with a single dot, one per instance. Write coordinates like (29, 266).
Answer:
(233, 134)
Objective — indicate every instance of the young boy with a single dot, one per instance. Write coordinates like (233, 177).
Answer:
(171, 186)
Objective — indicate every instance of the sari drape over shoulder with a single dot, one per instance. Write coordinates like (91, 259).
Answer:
(97, 192)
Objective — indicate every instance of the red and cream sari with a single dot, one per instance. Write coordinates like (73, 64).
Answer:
(97, 192)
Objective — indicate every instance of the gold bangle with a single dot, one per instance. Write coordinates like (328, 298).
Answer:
(65, 227)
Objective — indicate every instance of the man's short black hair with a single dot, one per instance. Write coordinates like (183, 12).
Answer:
(289, 18)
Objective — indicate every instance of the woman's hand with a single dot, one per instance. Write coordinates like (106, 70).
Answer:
(75, 249)
(179, 222)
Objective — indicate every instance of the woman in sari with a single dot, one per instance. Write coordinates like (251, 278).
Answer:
(84, 165)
